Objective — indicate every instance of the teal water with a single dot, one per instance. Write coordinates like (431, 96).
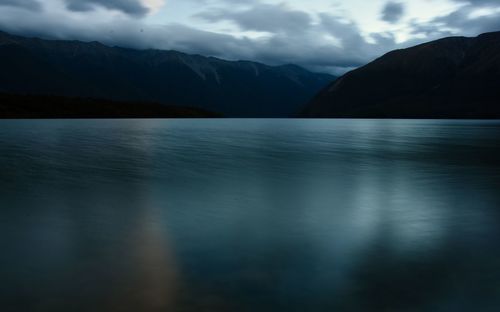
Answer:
(249, 215)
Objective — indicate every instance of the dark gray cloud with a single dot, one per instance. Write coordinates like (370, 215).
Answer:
(131, 7)
(393, 12)
(25, 4)
(262, 17)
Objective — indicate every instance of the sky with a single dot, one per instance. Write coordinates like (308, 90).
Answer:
(322, 35)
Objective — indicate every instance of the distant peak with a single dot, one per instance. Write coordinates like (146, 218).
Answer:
(490, 35)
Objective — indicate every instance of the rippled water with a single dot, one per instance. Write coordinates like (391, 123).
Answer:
(249, 215)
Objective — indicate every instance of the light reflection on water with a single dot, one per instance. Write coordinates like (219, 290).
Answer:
(249, 215)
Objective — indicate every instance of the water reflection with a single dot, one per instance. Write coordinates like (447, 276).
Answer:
(272, 215)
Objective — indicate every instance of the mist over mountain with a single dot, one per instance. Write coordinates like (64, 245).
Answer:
(455, 77)
(92, 70)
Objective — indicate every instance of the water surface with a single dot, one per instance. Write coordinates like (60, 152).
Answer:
(249, 215)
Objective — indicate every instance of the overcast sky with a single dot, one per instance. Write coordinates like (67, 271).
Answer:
(322, 35)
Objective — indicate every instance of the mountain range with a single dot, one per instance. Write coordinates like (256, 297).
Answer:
(454, 77)
(73, 69)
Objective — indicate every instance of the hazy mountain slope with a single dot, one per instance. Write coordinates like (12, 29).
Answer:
(449, 78)
(71, 68)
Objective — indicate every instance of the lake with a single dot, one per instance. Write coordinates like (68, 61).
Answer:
(249, 215)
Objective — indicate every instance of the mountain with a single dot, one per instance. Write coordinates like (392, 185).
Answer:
(454, 77)
(38, 106)
(93, 70)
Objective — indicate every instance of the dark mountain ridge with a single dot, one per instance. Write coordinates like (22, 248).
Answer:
(39, 106)
(92, 70)
(454, 77)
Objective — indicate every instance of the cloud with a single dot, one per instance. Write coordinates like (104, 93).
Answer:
(326, 43)
(461, 21)
(33, 5)
(153, 5)
(393, 12)
(262, 17)
(130, 7)
(304, 45)
(480, 2)
(248, 30)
